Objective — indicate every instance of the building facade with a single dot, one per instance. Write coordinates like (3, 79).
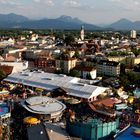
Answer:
(109, 68)
(65, 65)
(86, 72)
(133, 34)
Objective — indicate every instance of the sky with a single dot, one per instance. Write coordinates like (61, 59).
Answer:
(90, 11)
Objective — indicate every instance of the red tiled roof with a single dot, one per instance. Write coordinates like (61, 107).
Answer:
(6, 69)
(109, 102)
(10, 58)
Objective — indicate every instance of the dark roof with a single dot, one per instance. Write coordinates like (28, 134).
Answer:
(67, 59)
(81, 68)
(37, 132)
(108, 63)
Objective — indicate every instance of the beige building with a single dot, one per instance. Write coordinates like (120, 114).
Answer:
(65, 65)
(109, 68)
(128, 61)
(71, 53)
(133, 34)
(117, 58)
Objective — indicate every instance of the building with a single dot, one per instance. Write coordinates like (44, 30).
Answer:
(92, 130)
(82, 33)
(73, 86)
(45, 64)
(50, 108)
(30, 54)
(109, 68)
(86, 72)
(71, 53)
(133, 34)
(37, 132)
(16, 66)
(6, 69)
(66, 64)
(47, 131)
(129, 132)
(129, 61)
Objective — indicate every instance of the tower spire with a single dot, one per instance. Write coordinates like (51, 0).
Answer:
(82, 33)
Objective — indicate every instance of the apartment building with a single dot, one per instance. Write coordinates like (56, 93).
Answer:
(108, 68)
(66, 64)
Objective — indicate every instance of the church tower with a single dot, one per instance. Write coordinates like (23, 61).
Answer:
(82, 33)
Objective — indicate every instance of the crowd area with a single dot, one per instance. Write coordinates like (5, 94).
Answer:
(16, 129)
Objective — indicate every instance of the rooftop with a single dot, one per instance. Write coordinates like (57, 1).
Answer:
(56, 132)
(42, 105)
(128, 134)
(108, 63)
(50, 81)
(37, 132)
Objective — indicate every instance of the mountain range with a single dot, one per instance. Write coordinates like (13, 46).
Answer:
(63, 22)
(125, 24)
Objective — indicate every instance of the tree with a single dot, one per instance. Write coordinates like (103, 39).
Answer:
(2, 75)
(74, 73)
(124, 80)
(115, 92)
(89, 76)
(69, 40)
(76, 55)
(135, 51)
(122, 68)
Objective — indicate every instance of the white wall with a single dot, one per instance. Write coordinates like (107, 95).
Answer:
(18, 66)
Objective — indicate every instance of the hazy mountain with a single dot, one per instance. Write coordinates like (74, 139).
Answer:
(63, 22)
(12, 18)
(69, 19)
(125, 24)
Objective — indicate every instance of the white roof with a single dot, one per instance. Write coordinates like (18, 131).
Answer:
(51, 81)
(43, 105)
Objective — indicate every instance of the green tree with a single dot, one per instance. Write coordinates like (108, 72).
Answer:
(89, 76)
(69, 40)
(115, 92)
(74, 73)
(2, 75)
(135, 51)
(76, 55)
(124, 81)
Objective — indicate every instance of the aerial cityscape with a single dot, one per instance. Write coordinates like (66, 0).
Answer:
(69, 70)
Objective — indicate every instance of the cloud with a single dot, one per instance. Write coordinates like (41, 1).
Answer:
(77, 4)
(47, 2)
(36, 1)
(126, 2)
(126, 5)
(9, 2)
(72, 3)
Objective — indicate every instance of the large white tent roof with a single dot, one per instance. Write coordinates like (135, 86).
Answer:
(51, 81)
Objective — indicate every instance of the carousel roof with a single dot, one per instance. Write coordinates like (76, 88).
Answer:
(43, 105)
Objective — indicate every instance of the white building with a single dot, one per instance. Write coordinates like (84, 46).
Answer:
(133, 34)
(17, 66)
(109, 68)
(86, 72)
(49, 81)
(82, 33)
